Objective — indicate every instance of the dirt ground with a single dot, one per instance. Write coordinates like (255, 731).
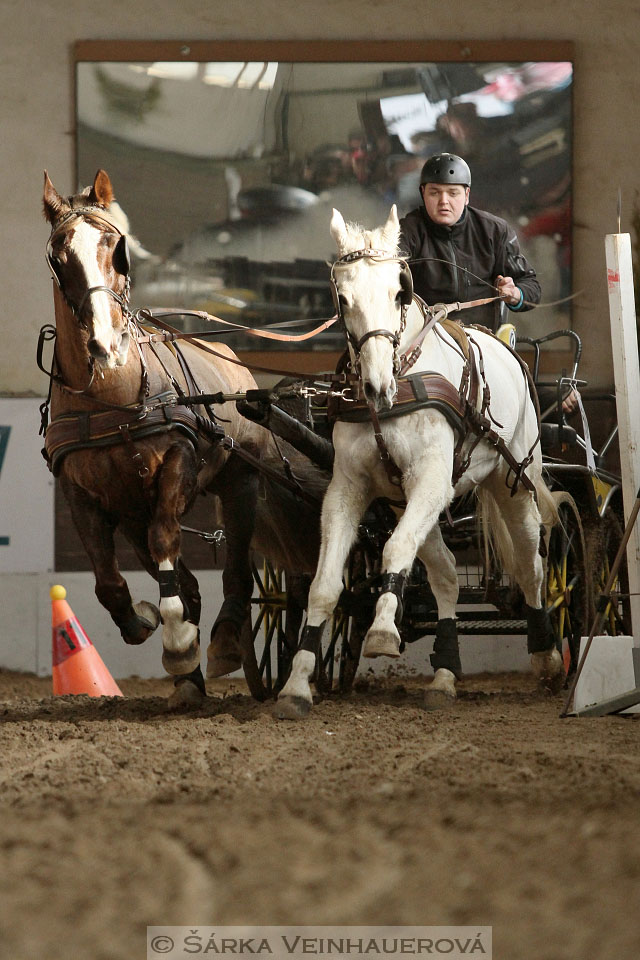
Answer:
(116, 815)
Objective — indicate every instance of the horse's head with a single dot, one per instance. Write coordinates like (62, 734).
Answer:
(373, 290)
(89, 259)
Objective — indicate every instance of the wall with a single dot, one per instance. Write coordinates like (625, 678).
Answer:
(36, 117)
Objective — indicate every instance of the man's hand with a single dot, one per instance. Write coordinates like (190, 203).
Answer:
(570, 402)
(508, 290)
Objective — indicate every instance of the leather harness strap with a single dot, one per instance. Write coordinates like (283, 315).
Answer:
(170, 333)
(430, 390)
(393, 471)
(289, 481)
(77, 431)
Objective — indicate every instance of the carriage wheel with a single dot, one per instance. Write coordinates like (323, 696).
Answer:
(281, 602)
(280, 610)
(603, 536)
(250, 667)
(568, 582)
(350, 622)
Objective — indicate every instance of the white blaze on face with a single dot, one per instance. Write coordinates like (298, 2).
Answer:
(84, 245)
(372, 291)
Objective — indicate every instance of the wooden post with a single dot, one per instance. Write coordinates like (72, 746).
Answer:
(624, 341)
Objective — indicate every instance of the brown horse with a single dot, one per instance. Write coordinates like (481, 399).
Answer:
(128, 456)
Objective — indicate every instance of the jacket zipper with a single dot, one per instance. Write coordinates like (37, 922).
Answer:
(458, 297)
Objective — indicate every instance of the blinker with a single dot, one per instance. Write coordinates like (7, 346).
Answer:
(406, 286)
(121, 257)
(54, 267)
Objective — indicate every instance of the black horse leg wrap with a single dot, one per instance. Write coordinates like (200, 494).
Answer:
(194, 677)
(394, 583)
(311, 637)
(446, 653)
(539, 630)
(168, 582)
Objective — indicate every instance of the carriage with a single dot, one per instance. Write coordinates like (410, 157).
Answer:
(151, 439)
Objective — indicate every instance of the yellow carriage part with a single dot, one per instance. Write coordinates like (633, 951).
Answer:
(567, 579)
(601, 490)
(507, 333)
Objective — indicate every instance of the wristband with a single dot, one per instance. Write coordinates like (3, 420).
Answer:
(518, 305)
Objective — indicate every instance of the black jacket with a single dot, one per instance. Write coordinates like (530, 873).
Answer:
(484, 244)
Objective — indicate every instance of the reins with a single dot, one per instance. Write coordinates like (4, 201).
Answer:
(478, 420)
(252, 331)
(486, 283)
(171, 334)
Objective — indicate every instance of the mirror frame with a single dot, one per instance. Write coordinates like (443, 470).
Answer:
(312, 51)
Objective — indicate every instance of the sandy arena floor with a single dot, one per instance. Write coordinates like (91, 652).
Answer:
(116, 814)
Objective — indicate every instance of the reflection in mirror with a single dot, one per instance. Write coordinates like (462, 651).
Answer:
(228, 171)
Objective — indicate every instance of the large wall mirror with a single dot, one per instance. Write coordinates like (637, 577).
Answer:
(227, 159)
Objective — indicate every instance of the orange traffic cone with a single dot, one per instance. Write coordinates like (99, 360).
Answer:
(77, 665)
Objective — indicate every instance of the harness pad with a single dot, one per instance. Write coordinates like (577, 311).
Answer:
(77, 431)
(415, 392)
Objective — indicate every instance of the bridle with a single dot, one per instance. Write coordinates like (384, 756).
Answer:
(406, 299)
(122, 263)
(121, 260)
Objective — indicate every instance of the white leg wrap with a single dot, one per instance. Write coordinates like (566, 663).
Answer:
(177, 633)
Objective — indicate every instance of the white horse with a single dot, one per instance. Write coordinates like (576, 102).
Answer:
(383, 322)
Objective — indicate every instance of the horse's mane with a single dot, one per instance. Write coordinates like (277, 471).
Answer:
(116, 215)
(359, 238)
(113, 213)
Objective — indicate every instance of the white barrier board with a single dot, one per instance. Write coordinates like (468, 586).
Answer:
(26, 490)
(608, 672)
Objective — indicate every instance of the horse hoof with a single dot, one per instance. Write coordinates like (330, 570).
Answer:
(438, 700)
(148, 615)
(140, 625)
(291, 708)
(378, 643)
(222, 666)
(548, 669)
(176, 662)
(223, 653)
(186, 694)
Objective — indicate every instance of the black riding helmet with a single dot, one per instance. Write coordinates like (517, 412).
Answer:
(446, 168)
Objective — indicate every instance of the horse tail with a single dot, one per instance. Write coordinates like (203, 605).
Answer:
(546, 505)
(495, 532)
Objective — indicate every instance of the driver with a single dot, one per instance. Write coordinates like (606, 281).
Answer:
(444, 233)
